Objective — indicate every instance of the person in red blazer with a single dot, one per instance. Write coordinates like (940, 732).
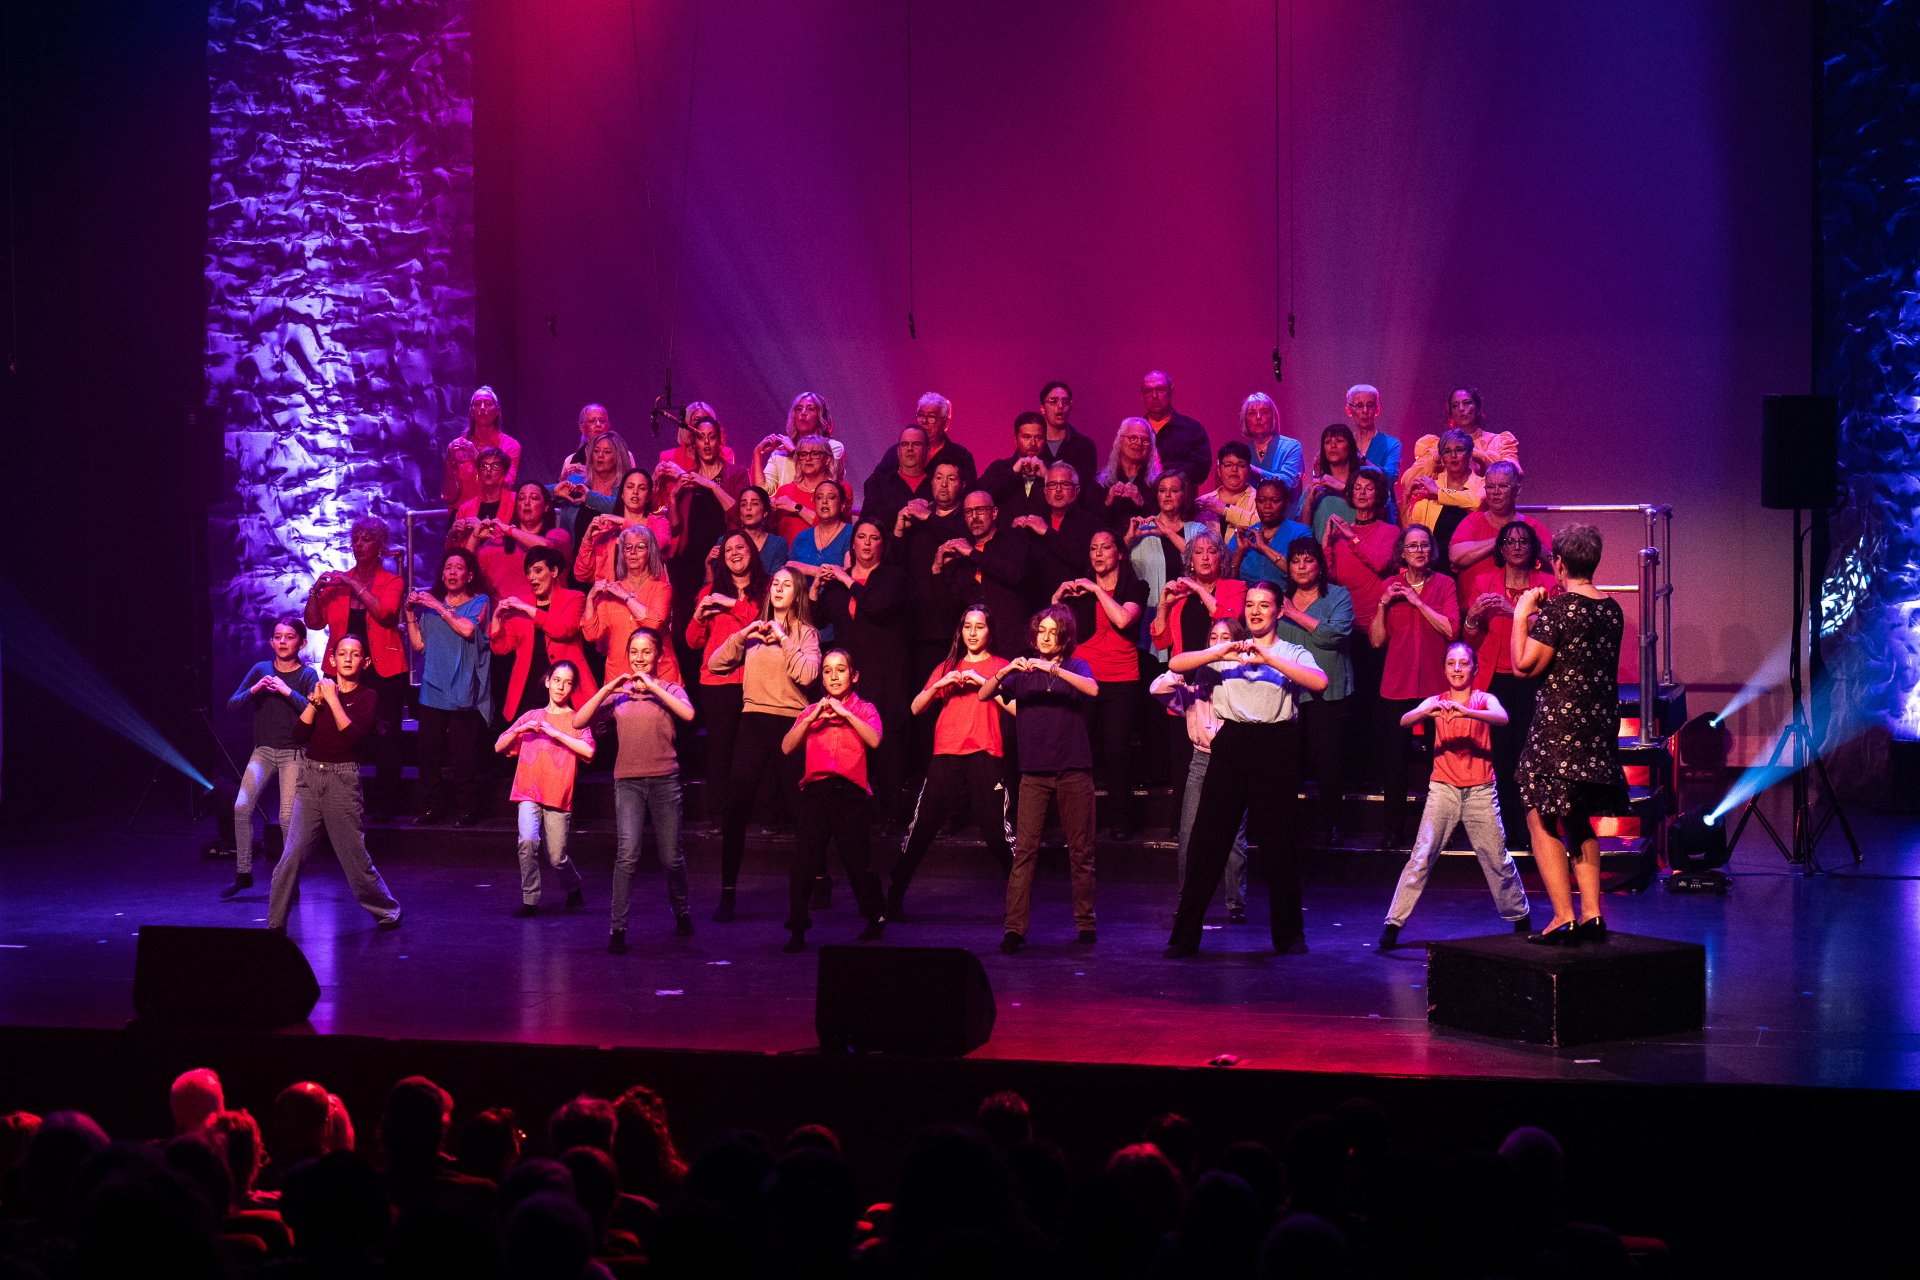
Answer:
(541, 631)
(365, 601)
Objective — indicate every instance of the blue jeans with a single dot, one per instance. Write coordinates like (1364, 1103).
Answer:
(264, 763)
(1236, 858)
(1478, 809)
(537, 821)
(633, 800)
(329, 794)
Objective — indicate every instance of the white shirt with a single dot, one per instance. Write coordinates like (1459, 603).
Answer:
(1249, 693)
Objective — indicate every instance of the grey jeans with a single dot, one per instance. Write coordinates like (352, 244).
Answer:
(1478, 809)
(633, 800)
(538, 821)
(1236, 858)
(264, 763)
(329, 794)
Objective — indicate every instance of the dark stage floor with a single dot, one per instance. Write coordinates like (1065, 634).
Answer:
(1807, 978)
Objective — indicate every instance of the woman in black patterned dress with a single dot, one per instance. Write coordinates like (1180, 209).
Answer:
(1570, 769)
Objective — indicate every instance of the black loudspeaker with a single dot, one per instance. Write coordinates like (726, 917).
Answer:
(1799, 452)
(185, 976)
(930, 1001)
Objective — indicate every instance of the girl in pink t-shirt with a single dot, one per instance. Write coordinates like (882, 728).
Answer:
(549, 750)
(1460, 791)
(832, 737)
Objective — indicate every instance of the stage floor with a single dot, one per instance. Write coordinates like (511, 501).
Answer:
(1808, 982)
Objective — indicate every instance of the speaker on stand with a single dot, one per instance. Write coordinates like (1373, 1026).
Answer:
(1799, 470)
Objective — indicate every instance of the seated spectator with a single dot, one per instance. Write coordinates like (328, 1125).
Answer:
(1006, 1119)
(299, 1130)
(339, 1133)
(239, 1135)
(489, 1145)
(194, 1098)
(643, 1147)
(582, 1122)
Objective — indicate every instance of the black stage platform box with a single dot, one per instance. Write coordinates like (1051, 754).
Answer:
(1620, 989)
(928, 1001)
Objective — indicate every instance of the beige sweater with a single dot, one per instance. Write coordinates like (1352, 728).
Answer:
(775, 676)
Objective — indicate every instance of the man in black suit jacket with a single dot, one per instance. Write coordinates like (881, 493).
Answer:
(1181, 442)
(1018, 483)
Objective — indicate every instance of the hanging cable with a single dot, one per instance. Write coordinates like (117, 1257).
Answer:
(911, 329)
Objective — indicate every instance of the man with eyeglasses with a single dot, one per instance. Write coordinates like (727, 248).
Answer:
(1063, 442)
(1473, 542)
(933, 415)
(1018, 482)
(985, 566)
(1181, 441)
(1057, 542)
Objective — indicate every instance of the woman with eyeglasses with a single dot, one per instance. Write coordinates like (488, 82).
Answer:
(1417, 616)
(793, 505)
(1132, 471)
(1440, 499)
(1491, 593)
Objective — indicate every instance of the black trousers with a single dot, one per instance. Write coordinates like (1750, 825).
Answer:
(450, 736)
(1110, 726)
(1367, 719)
(1255, 771)
(1325, 726)
(1400, 751)
(720, 717)
(383, 748)
(1517, 694)
(833, 811)
(756, 751)
(976, 782)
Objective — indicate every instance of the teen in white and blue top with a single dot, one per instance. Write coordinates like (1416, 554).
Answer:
(1255, 771)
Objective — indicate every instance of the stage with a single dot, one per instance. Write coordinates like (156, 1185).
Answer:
(1804, 984)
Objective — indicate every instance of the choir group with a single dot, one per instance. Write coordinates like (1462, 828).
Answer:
(1043, 633)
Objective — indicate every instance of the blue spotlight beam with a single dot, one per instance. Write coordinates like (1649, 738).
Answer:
(37, 650)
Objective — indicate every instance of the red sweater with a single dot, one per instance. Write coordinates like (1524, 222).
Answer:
(560, 622)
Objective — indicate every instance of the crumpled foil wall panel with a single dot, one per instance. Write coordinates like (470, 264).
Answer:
(1869, 175)
(340, 282)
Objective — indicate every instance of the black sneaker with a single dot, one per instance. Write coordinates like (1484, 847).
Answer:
(1236, 915)
(468, 819)
(1084, 938)
(795, 944)
(431, 818)
(617, 942)
(1012, 943)
(391, 923)
(524, 910)
(1390, 936)
(1523, 926)
(241, 881)
(683, 925)
(576, 900)
(724, 912)
(872, 932)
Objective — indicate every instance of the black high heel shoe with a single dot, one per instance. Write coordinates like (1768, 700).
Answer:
(1558, 936)
(1594, 930)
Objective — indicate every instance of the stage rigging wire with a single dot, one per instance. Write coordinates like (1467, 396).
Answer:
(665, 402)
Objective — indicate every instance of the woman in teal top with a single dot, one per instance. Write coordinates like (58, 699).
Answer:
(1317, 615)
(449, 626)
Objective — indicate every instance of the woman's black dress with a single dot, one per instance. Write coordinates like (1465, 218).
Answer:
(1571, 762)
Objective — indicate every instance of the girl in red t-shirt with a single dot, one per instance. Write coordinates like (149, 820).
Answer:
(549, 749)
(1461, 791)
(968, 764)
(833, 737)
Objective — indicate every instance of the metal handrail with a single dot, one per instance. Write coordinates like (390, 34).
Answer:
(1655, 590)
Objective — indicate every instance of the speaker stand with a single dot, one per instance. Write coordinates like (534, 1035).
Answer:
(1803, 850)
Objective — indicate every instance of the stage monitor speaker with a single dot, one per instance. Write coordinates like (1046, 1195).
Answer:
(929, 1001)
(188, 976)
(1799, 452)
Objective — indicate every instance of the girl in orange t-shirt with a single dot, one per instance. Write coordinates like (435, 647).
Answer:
(549, 750)
(1460, 791)
(968, 763)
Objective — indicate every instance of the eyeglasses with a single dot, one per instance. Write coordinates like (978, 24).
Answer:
(1059, 484)
(978, 511)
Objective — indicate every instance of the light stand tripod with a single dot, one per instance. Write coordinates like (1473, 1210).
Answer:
(1799, 734)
